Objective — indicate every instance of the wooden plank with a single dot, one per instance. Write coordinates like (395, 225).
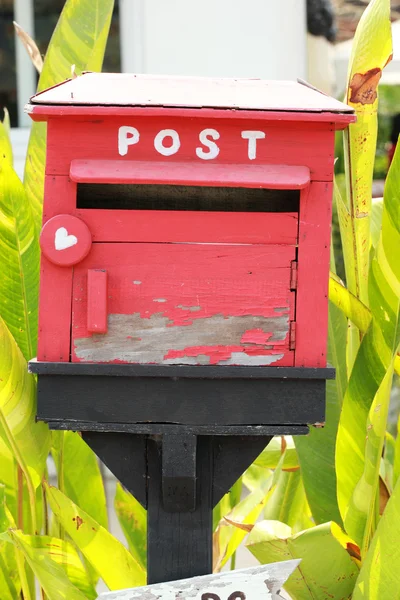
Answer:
(274, 177)
(179, 544)
(313, 275)
(87, 113)
(179, 371)
(54, 312)
(59, 196)
(154, 429)
(255, 583)
(97, 301)
(190, 226)
(189, 304)
(293, 144)
(195, 402)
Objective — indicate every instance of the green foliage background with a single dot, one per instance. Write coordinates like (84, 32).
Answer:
(331, 499)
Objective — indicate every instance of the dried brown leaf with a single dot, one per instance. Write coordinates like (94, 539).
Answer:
(30, 46)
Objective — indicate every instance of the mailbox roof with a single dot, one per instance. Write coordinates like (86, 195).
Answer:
(128, 90)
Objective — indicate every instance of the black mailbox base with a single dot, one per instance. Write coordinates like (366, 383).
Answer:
(178, 437)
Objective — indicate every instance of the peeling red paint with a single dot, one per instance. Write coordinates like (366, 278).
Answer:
(218, 354)
(256, 336)
(227, 303)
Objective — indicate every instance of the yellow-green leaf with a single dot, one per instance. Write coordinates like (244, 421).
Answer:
(326, 571)
(363, 420)
(133, 520)
(107, 555)
(371, 50)
(379, 575)
(234, 527)
(87, 492)
(79, 40)
(272, 454)
(19, 258)
(50, 574)
(29, 441)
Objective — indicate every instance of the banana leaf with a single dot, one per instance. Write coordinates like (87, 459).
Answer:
(133, 520)
(112, 561)
(363, 420)
(78, 42)
(233, 527)
(19, 257)
(79, 474)
(28, 441)
(327, 570)
(51, 575)
(379, 575)
(288, 503)
(371, 51)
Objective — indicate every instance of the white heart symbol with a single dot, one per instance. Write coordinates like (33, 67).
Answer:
(63, 240)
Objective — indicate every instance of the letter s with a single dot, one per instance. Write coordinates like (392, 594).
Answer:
(213, 149)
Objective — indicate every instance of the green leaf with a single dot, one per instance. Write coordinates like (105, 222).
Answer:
(362, 426)
(376, 220)
(317, 450)
(396, 465)
(133, 520)
(19, 257)
(256, 477)
(79, 40)
(10, 588)
(50, 574)
(107, 555)
(234, 527)
(371, 50)
(379, 575)
(29, 441)
(326, 571)
(288, 503)
(9, 578)
(63, 553)
(272, 454)
(87, 492)
(388, 460)
(6, 154)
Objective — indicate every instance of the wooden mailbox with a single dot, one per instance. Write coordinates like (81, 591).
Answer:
(184, 275)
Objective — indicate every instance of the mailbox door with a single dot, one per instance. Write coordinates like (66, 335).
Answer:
(184, 304)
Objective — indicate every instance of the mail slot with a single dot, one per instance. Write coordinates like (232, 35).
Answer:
(186, 222)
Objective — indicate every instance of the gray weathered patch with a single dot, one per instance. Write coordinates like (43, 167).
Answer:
(190, 308)
(133, 339)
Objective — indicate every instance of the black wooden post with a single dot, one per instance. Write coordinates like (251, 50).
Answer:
(179, 543)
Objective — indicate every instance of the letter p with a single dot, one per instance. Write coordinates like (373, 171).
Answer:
(127, 136)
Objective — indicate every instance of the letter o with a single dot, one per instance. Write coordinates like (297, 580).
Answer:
(159, 142)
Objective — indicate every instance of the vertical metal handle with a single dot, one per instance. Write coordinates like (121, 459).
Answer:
(97, 301)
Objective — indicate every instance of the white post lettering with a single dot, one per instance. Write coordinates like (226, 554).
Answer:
(213, 149)
(159, 142)
(252, 136)
(127, 136)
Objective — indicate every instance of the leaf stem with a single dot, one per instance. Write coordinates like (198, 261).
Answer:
(60, 476)
(24, 468)
(26, 593)
(20, 498)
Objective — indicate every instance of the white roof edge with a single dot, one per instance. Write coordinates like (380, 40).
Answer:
(94, 89)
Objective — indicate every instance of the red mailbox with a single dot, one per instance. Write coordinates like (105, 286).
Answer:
(186, 221)
(184, 278)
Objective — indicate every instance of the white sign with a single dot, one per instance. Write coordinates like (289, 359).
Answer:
(257, 583)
